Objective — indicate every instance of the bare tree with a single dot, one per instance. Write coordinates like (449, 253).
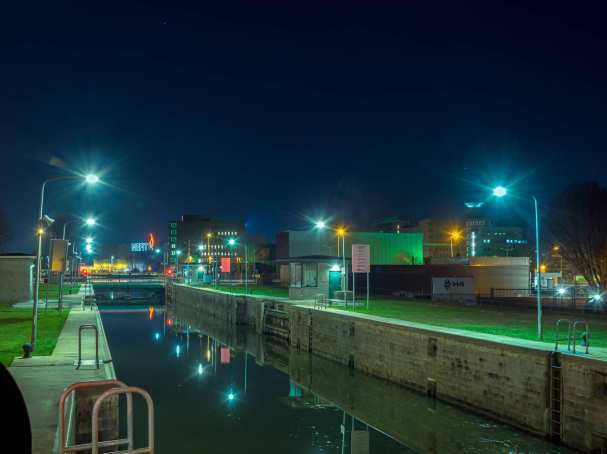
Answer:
(578, 221)
(5, 231)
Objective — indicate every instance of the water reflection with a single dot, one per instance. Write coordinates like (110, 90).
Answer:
(223, 389)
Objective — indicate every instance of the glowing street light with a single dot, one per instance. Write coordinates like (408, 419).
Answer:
(341, 232)
(90, 221)
(92, 179)
(454, 235)
(501, 191)
(320, 224)
(231, 241)
(88, 240)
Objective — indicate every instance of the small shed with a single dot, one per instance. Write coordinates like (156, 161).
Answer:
(315, 274)
(16, 277)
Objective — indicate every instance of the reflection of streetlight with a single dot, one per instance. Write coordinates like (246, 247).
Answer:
(501, 191)
(91, 179)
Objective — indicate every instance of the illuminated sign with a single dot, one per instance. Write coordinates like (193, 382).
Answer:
(151, 240)
(140, 246)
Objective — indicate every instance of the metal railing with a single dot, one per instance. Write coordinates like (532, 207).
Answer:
(585, 334)
(558, 339)
(63, 448)
(80, 329)
(321, 301)
(572, 335)
(129, 391)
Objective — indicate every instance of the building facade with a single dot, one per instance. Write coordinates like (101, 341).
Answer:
(442, 237)
(487, 236)
(202, 239)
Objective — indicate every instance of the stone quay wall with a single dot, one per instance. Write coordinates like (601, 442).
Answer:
(508, 382)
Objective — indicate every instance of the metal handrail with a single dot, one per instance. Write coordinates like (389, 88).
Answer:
(558, 339)
(587, 332)
(96, 444)
(92, 384)
(320, 301)
(80, 329)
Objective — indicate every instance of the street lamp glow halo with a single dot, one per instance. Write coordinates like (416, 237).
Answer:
(91, 178)
(91, 221)
(320, 224)
(500, 191)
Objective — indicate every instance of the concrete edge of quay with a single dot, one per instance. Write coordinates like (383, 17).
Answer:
(521, 383)
(42, 379)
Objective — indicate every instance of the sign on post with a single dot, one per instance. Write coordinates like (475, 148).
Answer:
(58, 255)
(361, 263)
(361, 258)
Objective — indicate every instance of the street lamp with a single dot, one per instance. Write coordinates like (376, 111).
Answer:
(90, 179)
(88, 222)
(177, 253)
(341, 232)
(501, 191)
(320, 224)
(454, 235)
(232, 242)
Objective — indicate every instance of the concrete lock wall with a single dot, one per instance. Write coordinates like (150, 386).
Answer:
(509, 383)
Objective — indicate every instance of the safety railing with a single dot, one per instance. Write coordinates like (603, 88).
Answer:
(321, 301)
(557, 334)
(572, 335)
(63, 448)
(585, 335)
(129, 391)
(80, 329)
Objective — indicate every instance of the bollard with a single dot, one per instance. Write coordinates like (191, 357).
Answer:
(27, 350)
(585, 338)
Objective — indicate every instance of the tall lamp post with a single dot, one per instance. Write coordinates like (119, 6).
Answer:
(90, 179)
(231, 243)
(341, 232)
(89, 222)
(499, 192)
(454, 235)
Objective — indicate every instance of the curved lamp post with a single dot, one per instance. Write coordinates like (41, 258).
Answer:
(90, 179)
(501, 191)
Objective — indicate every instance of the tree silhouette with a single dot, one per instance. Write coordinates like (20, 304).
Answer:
(5, 231)
(578, 221)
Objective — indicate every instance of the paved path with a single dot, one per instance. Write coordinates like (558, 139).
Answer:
(42, 379)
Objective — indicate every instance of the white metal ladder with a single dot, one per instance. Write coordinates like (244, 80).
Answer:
(116, 387)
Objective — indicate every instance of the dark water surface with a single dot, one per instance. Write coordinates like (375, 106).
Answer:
(218, 389)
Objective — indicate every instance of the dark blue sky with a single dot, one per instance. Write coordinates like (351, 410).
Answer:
(274, 113)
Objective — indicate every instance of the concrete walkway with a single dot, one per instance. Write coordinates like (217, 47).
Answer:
(42, 379)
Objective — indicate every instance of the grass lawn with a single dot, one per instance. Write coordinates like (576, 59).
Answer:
(259, 290)
(499, 320)
(16, 329)
(53, 290)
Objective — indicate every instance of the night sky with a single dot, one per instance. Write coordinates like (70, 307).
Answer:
(276, 113)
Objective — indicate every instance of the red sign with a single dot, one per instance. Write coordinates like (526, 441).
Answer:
(225, 355)
(361, 258)
(225, 264)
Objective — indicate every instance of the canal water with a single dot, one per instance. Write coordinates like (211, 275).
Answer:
(221, 389)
